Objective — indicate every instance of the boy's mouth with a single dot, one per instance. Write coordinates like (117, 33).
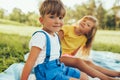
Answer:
(56, 26)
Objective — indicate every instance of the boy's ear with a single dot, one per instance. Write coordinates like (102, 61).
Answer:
(41, 20)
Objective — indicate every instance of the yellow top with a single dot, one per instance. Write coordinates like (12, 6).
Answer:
(71, 41)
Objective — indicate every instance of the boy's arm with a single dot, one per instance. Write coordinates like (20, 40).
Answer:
(30, 62)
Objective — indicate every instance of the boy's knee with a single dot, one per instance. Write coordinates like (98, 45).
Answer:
(83, 76)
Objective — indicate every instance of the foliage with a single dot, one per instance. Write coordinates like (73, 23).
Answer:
(90, 7)
(32, 19)
(106, 47)
(8, 22)
(1, 13)
(101, 18)
(15, 15)
(69, 15)
(12, 49)
(110, 22)
(18, 16)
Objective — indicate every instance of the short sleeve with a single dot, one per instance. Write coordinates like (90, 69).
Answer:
(84, 41)
(65, 29)
(38, 40)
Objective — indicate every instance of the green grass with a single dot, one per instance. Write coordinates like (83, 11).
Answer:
(8, 22)
(14, 43)
(104, 40)
(107, 41)
(21, 30)
(12, 49)
(109, 37)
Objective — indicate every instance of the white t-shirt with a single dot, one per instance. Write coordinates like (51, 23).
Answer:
(39, 40)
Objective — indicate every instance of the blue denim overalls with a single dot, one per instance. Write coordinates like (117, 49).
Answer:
(53, 70)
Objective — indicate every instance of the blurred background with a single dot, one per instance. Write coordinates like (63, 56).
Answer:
(26, 12)
(19, 19)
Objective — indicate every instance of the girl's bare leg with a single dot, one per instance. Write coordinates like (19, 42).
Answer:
(106, 71)
(82, 66)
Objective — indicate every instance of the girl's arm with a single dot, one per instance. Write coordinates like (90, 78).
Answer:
(75, 51)
(30, 62)
(61, 34)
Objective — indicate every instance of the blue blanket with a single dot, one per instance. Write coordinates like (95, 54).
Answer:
(105, 59)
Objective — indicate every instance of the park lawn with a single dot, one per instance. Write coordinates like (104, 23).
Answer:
(109, 37)
(14, 42)
(20, 30)
(105, 40)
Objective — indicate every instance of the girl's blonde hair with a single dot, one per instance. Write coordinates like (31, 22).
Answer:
(85, 50)
(52, 7)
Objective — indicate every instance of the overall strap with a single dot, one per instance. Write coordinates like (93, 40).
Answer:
(60, 46)
(48, 46)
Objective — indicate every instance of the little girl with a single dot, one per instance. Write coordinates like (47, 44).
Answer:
(78, 38)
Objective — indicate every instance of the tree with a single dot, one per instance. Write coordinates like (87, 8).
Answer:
(110, 21)
(33, 19)
(101, 16)
(69, 16)
(1, 13)
(91, 8)
(16, 15)
(88, 8)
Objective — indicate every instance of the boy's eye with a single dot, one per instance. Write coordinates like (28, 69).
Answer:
(52, 16)
(60, 17)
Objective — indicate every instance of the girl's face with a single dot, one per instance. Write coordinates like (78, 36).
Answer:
(85, 26)
(52, 23)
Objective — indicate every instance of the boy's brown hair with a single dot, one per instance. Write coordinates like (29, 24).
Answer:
(52, 7)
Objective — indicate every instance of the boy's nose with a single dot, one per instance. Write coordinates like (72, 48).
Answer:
(57, 20)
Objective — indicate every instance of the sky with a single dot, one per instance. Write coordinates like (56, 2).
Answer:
(32, 5)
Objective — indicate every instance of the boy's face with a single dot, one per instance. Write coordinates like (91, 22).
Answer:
(52, 23)
(85, 25)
